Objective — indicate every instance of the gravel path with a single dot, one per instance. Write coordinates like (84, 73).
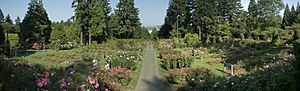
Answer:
(149, 79)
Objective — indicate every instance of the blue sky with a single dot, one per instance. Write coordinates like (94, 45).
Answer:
(152, 12)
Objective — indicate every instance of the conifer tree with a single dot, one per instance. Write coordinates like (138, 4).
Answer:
(286, 16)
(252, 19)
(36, 26)
(268, 13)
(127, 19)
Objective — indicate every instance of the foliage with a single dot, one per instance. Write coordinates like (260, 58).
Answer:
(270, 77)
(154, 34)
(178, 43)
(142, 33)
(128, 61)
(92, 17)
(63, 36)
(17, 27)
(269, 13)
(128, 22)
(36, 26)
(297, 54)
(17, 72)
(8, 24)
(5, 49)
(275, 36)
(175, 18)
(107, 79)
(191, 39)
(172, 59)
(2, 35)
(178, 76)
(192, 76)
(1, 16)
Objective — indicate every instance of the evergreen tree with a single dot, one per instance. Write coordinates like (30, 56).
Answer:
(235, 17)
(154, 33)
(142, 33)
(176, 17)
(96, 24)
(8, 24)
(2, 35)
(17, 25)
(107, 11)
(298, 13)
(190, 17)
(269, 13)
(206, 16)
(113, 26)
(58, 35)
(252, 19)
(128, 19)
(292, 16)
(1, 16)
(36, 26)
(82, 17)
(286, 16)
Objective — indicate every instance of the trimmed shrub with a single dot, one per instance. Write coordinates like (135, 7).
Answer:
(191, 39)
(177, 61)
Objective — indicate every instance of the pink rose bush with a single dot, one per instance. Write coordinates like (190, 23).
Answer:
(42, 80)
(106, 79)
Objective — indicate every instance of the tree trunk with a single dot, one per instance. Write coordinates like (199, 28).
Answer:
(81, 37)
(90, 38)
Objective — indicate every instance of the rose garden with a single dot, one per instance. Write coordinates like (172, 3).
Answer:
(202, 45)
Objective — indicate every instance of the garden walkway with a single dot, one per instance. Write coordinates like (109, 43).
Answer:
(149, 79)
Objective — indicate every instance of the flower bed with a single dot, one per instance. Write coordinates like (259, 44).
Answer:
(104, 79)
(275, 76)
(190, 76)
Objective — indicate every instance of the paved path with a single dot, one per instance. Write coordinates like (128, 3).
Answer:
(149, 79)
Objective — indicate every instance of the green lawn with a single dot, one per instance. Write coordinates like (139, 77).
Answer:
(215, 68)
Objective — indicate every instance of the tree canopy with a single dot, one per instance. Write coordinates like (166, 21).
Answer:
(36, 26)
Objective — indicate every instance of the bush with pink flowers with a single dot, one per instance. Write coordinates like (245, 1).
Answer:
(112, 78)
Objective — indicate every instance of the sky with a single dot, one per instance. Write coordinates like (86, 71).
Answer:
(152, 12)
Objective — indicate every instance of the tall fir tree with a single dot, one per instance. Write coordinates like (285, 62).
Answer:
(286, 16)
(190, 17)
(252, 20)
(127, 18)
(17, 25)
(107, 10)
(292, 16)
(36, 26)
(97, 25)
(8, 24)
(82, 17)
(269, 13)
(206, 16)
(1, 16)
(298, 13)
(176, 17)
(2, 36)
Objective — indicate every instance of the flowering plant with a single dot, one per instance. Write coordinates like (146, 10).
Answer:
(42, 80)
